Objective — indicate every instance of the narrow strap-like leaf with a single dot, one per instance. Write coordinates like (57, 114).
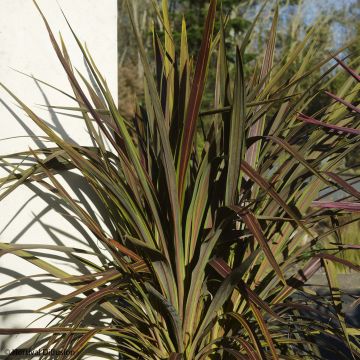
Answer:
(257, 129)
(195, 99)
(336, 298)
(237, 134)
(265, 330)
(338, 205)
(350, 71)
(342, 129)
(172, 313)
(254, 226)
(169, 168)
(344, 102)
(344, 184)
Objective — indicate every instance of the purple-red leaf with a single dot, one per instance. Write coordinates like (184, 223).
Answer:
(220, 266)
(265, 330)
(299, 279)
(345, 185)
(267, 187)
(195, 97)
(254, 226)
(333, 258)
(224, 270)
(342, 129)
(338, 205)
(350, 71)
(344, 102)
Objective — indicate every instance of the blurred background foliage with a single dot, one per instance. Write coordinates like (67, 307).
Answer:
(337, 20)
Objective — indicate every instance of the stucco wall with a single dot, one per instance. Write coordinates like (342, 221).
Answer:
(25, 216)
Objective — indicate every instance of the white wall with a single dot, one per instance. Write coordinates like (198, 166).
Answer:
(25, 217)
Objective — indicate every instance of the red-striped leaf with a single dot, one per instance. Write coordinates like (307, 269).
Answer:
(344, 102)
(254, 226)
(265, 330)
(334, 258)
(224, 270)
(237, 134)
(220, 266)
(267, 187)
(344, 185)
(350, 71)
(342, 129)
(195, 97)
(298, 280)
(338, 205)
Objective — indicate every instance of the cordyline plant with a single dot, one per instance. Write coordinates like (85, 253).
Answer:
(206, 238)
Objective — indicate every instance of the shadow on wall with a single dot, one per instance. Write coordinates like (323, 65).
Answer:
(44, 287)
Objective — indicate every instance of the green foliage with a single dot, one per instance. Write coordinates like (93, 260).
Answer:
(207, 235)
(196, 11)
